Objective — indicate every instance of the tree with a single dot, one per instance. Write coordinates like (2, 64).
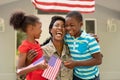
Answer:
(20, 36)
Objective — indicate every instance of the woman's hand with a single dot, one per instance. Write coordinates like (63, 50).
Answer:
(95, 36)
(69, 64)
(30, 56)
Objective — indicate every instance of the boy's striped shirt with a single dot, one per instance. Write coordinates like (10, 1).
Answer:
(81, 49)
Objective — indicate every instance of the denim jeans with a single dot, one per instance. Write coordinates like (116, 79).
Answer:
(76, 78)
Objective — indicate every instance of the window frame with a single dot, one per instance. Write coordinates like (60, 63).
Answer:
(95, 24)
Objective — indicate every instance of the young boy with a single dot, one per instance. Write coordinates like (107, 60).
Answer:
(84, 49)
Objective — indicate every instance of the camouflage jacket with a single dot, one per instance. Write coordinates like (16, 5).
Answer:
(64, 73)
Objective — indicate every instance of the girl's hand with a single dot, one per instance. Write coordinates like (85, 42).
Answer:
(42, 66)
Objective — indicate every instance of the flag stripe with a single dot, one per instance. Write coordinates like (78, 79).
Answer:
(57, 68)
(51, 72)
(85, 6)
(64, 9)
(89, 2)
(70, 4)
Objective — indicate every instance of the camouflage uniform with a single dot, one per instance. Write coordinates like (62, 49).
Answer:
(64, 73)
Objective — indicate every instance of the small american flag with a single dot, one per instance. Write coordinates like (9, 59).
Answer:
(84, 6)
(39, 61)
(51, 72)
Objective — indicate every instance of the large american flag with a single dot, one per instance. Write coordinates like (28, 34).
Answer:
(83, 6)
(51, 72)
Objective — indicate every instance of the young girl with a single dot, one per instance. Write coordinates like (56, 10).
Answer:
(31, 25)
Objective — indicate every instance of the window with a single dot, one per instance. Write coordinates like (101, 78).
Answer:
(90, 25)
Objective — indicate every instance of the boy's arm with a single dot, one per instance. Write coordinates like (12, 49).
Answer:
(96, 60)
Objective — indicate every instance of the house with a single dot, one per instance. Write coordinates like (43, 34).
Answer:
(107, 17)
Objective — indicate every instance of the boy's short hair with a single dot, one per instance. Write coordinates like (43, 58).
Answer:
(75, 14)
